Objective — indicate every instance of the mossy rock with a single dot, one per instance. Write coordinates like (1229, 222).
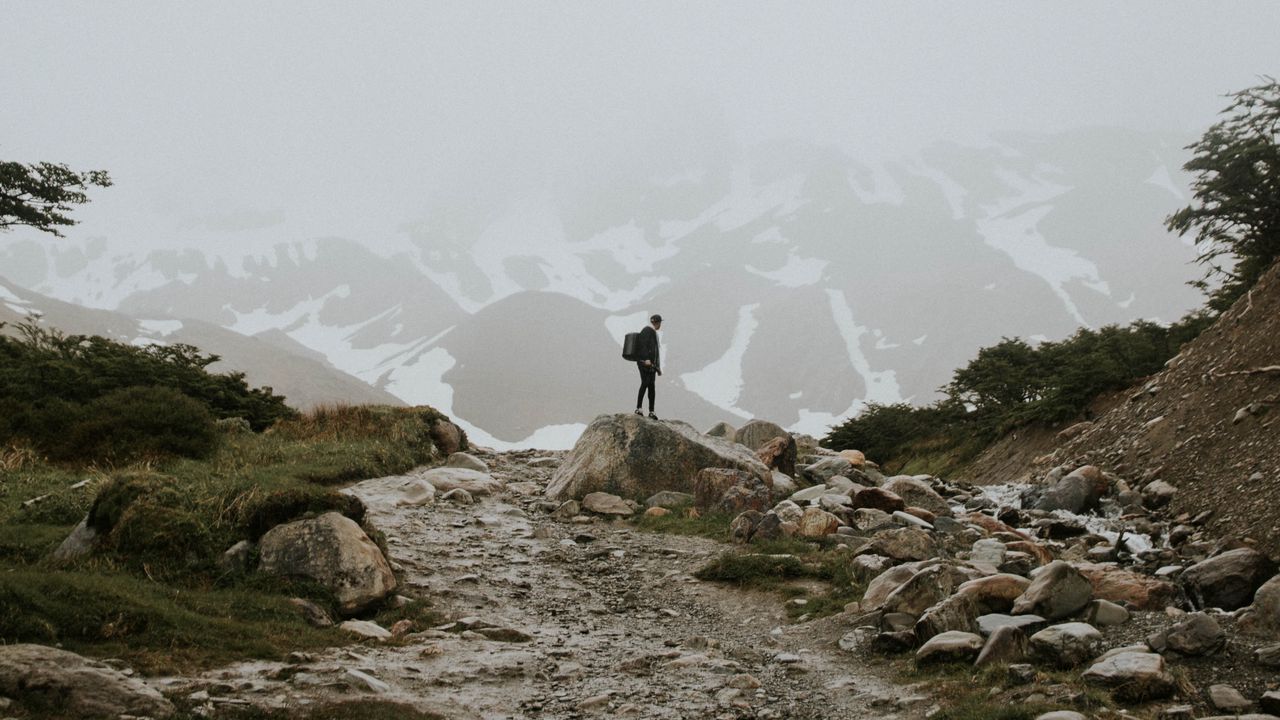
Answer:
(123, 490)
(292, 503)
(151, 532)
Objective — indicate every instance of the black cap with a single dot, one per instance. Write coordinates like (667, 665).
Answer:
(655, 318)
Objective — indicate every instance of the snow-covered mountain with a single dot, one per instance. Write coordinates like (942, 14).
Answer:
(797, 283)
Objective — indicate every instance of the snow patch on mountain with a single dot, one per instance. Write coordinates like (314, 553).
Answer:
(795, 272)
(720, 382)
(882, 385)
(160, 328)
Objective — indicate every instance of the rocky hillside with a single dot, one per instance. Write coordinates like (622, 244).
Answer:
(1207, 425)
(303, 376)
(798, 282)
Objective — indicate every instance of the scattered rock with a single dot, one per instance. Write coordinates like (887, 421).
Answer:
(334, 551)
(1067, 645)
(1077, 492)
(365, 629)
(743, 526)
(903, 544)
(368, 681)
(633, 457)
(779, 454)
(458, 496)
(816, 522)
(1198, 634)
(917, 493)
(1227, 698)
(1132, 676)
(466, 461)
(1268, 656)
(1262, 617)
(473, 481)
(417, 492)
(722, 430)
(950, 646)
(1101, 613)
(1005, 645)
(78, 544)
(669, 499)
(47, 679)
(1126, 587)
(989, 624)
(1057, 591)
(237, 559)
(602, 503)
(1227, 581)
(312, 613)
(878, 498)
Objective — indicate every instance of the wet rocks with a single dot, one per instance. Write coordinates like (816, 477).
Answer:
(602, 503)
(47, 679)
(917, 493)
(1057, 591)
(454, 478)
(334, 551)
(950, 646)
(634, 457)
(1197, 634)
(1067, 645)
(1077, 492)
(1227, 581)
(1262, 617)
(1132, 676)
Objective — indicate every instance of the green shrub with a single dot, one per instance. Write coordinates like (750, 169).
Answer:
(123, 490)
(140, 423)
(259, 510)
(160, 537)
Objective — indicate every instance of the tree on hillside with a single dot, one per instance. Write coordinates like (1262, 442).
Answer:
(41, 195)
(1236, 214)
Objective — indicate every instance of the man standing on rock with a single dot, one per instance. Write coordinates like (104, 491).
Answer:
(648, 362)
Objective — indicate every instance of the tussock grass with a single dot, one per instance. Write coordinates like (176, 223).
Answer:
(778, 565)
(679, 522)
(966, 693)
(346, 710)
(153, 591)
(152, 626)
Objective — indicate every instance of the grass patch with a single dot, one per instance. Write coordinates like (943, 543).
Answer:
(678, 522)
(778, 565)
(152, 626)
(346, 710)
(965, 692)
(153, 592)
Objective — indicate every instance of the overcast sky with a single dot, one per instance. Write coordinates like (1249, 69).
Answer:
(313, 118)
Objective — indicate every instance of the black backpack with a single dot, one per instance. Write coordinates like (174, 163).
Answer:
(631, 347)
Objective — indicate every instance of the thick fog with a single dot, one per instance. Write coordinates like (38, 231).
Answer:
(245, 122)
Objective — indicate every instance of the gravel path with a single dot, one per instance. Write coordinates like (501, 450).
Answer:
(601, 619)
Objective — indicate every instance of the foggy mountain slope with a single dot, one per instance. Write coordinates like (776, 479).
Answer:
(798, 282)
(305, 381)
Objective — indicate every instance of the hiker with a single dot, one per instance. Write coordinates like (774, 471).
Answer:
(647, 361)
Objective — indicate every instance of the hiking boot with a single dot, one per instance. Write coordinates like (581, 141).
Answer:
(652, 416)
(638, 412)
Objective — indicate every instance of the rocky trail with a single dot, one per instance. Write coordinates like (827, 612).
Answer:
(556, 619)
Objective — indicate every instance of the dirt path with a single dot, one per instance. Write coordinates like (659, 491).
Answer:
(612, 620)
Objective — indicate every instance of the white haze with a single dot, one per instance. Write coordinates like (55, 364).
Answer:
(465, 129)
(243, 123)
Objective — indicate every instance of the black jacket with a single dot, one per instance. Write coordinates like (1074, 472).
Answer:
(648, 347)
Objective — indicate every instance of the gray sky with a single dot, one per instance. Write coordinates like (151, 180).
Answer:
(235, 120)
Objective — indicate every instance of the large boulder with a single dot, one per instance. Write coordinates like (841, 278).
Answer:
(1126, 587)
(950, 646)
(1077, 492)
(923, 590)
(917, 493)
(722, 430)
(1067, 645)
(758, 432)
(1132, 676)
(779, 454)
(995, 593)
(878, 498)
(634, 458)
(447, 437)
(474, 482)
(902, 544)
(1262, 618)
(729, 491)
(828, 467)
(333, 551)
(1229, 580)
(1057, 591)
(816, 523)
(48, 680)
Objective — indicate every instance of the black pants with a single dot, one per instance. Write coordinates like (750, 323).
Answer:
(647, 376)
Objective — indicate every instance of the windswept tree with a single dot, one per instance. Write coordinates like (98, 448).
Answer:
(41, 195)
(1235, 217)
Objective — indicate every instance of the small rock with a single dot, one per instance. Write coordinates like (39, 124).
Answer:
(1057, 591)
(1067, 645)
(467, 461)
(368, 680)
(669, 499)
(1102, 613)
(1227, 698)
(1268, 656)
(1132, 676)
(1005, 645)
(952, 645)
(1198, 634)
(365, 629)
(603, 503)
(458, 496)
